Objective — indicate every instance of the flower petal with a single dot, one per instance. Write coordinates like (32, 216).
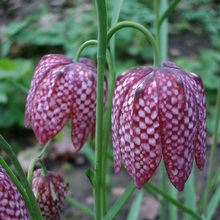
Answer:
(177, 112)
(201, 142)
(126, 143)
(145, 133)
(200, 145)
(52, 103)
(84, 103)
(122, 86)
(45, 65)
(12, 205)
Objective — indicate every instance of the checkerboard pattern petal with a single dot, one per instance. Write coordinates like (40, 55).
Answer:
(159, 113)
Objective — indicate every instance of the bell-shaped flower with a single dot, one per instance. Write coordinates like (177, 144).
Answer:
(159, 113)
(50, 191)
(12, 205)
(62, 89)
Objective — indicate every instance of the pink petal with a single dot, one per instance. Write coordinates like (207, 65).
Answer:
(84, 103)
(145, 131)
(45, 65)
(122, 86)
(201, 117)
(177, 112)
(52, 103)
(12, 205)
(126, 143)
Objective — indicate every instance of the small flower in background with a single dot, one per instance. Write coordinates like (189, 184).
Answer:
(159, 112)
(12, 205)
(50, 192)
(60, 89)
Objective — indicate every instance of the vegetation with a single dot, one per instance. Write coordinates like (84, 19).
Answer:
(47, 29)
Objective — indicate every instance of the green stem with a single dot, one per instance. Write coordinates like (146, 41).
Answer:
(141, 28)
(213, 154)
(11, 155)
(163, 31)
(82, 47)
(156, 23)
(107, 127)
(99, 187)
(44, 149)
(18, 185)
(115, 17)
(31, 168)
(37, 160)
(162, 56)
(166, 14)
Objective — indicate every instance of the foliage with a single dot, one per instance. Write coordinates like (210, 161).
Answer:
(201, 17)
(77, 25)
(14, 81)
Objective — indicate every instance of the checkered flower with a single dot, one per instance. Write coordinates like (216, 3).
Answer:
(12, 205)
(159, 112)
(50, 191)
(60, 89)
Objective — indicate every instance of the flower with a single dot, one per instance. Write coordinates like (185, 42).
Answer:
(50, 191)
(159, 112)
(12, 205)
(60, 89)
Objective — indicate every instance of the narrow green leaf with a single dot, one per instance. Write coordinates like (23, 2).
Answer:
(120, 202)
(173, 201)
(173, 208)
(213, 204)
(89, 153)
(189, 195)
(90, 175)
(135, 207)
(80, 206)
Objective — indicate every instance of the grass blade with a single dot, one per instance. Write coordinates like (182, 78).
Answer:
(136, 205)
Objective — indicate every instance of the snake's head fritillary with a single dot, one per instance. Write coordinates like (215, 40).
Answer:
(50, 191)
(12, 205)
(159, 112)
(62, 89)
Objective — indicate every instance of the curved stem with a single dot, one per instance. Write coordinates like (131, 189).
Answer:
(37, 160)
(101, 57)
(82, 47)
(44, 149)
(31, 168)
(11, 155)
(141, 28)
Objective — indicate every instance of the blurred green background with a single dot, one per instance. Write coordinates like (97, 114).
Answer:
(31, 29)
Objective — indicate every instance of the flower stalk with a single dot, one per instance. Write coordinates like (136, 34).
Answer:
(99, 187)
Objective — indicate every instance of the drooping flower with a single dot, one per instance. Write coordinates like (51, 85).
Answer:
(12, 205)
(60, 89)
(159, 113)
(50, 192)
